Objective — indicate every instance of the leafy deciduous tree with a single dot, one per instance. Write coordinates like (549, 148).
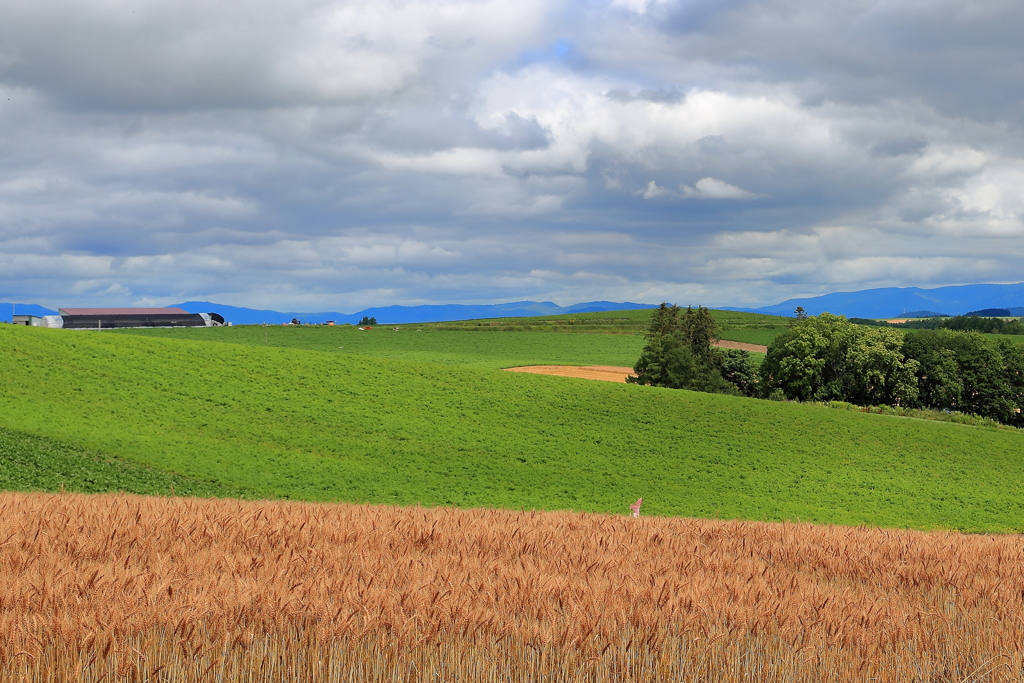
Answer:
(738, 369)
(827, 358)
(981, 373)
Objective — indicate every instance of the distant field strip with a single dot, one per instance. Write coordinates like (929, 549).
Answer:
(145, 589)
(742, 346)
(600, 372)
(757, 336)
(609, 322)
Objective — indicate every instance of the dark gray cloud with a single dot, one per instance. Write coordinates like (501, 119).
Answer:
(331, 154)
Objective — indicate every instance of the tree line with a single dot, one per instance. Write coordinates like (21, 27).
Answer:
(961, 323)
(829, 358)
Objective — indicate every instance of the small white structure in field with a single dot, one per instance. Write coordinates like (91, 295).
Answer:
(38, 320)
(635, 507)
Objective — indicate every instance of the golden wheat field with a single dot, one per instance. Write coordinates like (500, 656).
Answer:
(126, 588)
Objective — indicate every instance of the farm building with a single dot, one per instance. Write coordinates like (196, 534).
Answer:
(107, 318)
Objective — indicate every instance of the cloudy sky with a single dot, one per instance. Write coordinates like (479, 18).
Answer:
(335, 155)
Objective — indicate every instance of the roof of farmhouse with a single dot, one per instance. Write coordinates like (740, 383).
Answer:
(123, 311)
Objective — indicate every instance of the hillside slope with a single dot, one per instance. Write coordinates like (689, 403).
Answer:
(29, 462)
(615, 338)
(318, 426)
(467, 349)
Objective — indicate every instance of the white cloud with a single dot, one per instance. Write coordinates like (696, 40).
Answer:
(652, 191)
(712, 188)
(638, 6)
(182, 54)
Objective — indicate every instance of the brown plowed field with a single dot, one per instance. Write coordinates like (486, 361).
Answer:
(611, 373)
(131, 588)
(607, 373)
(743, 346)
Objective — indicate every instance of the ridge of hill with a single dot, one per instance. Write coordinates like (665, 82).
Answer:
(316, 425)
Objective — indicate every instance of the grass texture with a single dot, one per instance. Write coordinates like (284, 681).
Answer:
(764, 336)
(36, 463)
(294, 423)
(447, 347)
(611, 338)
(611, 321)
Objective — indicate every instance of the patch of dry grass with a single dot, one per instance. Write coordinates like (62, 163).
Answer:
(152, 589)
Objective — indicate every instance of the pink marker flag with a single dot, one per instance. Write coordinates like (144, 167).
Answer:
(635, 507)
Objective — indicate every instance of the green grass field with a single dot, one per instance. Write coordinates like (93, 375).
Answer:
(30, 462)
(449, 343)
(763, 336)
(304, 424)
(611, 322)
(493, 351)
(1015, 338)
(606, 322)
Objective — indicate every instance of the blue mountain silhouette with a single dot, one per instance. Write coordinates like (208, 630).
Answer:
(887, 302)
(893, 302)
(393, 315)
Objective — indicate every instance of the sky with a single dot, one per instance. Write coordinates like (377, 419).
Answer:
(334, 155)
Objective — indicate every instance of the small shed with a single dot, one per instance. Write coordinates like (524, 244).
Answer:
(38, 320)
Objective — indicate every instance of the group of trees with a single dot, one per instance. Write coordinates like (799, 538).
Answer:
(829, 358)
(961, 323)
(965, 323)
(679, 354)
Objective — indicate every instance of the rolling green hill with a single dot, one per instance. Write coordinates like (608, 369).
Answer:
(607, 322)
(446, 347)
(296, 423)
(615, 341)
(29, 462)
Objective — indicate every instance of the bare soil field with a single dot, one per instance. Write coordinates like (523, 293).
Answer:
(128, 588)
(605, 373)
(743, 346)
(609, 373)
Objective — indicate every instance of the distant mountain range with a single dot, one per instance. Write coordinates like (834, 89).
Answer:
(386, 315)
(888, 302)
(394, 315)
(896, 302)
